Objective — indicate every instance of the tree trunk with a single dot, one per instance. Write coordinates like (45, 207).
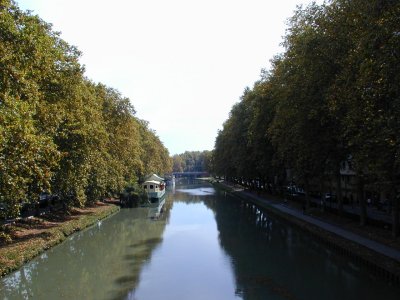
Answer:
(322, 194)
(307, 196)
(395, 216)
(339, 195)
(361, 201)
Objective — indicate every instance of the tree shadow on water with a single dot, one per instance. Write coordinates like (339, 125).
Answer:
(147, 242)
(127, 284)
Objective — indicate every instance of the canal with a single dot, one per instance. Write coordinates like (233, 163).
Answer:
(201, 244)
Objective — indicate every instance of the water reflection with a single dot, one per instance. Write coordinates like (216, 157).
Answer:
(156, 209)
(198, 244)
(273, 260)
(103, 262)
(204, 191)
(190, 263)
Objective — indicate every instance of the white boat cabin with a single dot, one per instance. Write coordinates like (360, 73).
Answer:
(153, 186)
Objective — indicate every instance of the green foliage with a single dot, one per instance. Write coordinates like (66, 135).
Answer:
(154, 156)
(5, 235)
(59, 132)
(28, 155)
(334, 93)
(192, 161)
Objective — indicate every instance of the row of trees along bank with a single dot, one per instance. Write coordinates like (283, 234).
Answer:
(192, 161)
(331, 97)
(59, 131)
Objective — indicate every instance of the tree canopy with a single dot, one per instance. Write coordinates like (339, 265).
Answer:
(59, 131)
(331, 96)
(192, 161)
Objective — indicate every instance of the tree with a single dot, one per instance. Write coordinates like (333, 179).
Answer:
(60, 132)
(367, 92)
(28, 155)
(178, 164)
(154, 155)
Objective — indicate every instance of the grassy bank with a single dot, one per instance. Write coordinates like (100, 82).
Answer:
(33, 236)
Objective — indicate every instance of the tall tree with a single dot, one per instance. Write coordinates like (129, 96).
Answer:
(367, 91)
(59, 132)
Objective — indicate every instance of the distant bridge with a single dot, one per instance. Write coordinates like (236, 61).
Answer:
(191, 174)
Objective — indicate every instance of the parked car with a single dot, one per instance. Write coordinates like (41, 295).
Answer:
(330, 197)
(46, 199)
(294, 191)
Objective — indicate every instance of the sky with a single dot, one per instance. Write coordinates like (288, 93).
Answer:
(182, 63)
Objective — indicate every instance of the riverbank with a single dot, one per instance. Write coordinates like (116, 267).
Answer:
(31, 237)
(382, 258)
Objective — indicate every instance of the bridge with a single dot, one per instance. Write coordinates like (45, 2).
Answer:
(191, 174)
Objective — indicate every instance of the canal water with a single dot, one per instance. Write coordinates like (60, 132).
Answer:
(199, 244)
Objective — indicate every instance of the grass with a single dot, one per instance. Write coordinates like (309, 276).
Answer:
(32, 237)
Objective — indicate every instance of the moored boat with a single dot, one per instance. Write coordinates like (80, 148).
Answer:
(154, 186)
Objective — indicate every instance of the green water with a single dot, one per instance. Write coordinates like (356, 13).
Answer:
(201, 244)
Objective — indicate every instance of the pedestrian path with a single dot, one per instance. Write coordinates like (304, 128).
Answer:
(372, 213)
(368, 243)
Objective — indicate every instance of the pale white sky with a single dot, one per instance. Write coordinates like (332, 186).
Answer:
(183, 63)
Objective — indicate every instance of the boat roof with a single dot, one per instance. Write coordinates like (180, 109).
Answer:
(151, 181)
(154, 177)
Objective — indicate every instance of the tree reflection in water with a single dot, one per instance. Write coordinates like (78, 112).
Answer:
(103, 262)
(207, 244)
